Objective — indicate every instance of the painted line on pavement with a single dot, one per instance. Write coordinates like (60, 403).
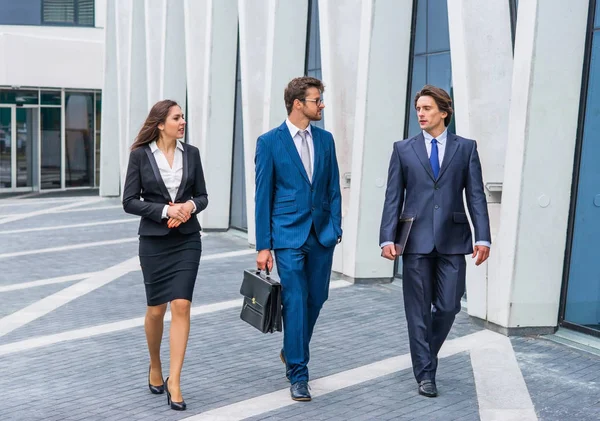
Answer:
(82, 225)
(103, 329)
(50, 210)
(97, 208)
(52, 302)
(70, 247)
(479, 342)
(19, 202)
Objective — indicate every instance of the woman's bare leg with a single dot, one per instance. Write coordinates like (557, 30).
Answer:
(180, 330)
(153, 325)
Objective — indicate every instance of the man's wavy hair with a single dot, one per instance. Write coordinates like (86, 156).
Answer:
(296, 90)
(441, 98)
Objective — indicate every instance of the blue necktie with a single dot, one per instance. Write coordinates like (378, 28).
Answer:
(434, 158)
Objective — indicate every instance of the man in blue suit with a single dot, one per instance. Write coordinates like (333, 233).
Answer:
(427, 176)
(298, 215)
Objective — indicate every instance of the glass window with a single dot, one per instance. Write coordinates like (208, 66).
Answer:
(50, 98)
(50, 144)
(583, 291)
(313, 55)
(431, 55)
(21, 12)
(5, 147)
(79, 141)
(68, 12)
(27, 135)
(19, 97)
(98, 137)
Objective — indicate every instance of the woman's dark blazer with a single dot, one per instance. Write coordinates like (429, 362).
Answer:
(143, 180)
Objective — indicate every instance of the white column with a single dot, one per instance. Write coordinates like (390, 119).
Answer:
(340, 40)
(211, 47)
(378, 122)
(526, 275)
(272, 52)
(174, 57)
(109, 143)
(155, 27)
(481, 45)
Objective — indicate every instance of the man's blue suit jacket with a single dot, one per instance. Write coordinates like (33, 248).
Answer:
(437, 205)
(287, 204)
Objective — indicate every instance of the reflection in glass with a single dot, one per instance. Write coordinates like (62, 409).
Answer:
(50, 98)
(50, 144)
(20, 97)
(27, 124)
(313, 60)
(98, 127)
(79, 125)
(5, 148)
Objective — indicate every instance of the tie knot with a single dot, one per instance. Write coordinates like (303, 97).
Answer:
(303, 133)
(433, 141)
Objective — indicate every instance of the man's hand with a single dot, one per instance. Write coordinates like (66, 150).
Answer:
(482, 253)
(389, 252)
(264, 260)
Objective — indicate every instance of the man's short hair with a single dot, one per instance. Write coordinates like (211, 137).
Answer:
(441, 98)
(296, 89)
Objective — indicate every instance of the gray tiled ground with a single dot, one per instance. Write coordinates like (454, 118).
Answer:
(104, 377)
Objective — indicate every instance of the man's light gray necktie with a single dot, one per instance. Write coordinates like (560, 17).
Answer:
(305, 154)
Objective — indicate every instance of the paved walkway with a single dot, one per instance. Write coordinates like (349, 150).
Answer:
(72, 343)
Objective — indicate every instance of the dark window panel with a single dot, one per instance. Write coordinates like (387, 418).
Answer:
(19, 97)
(50, 98)
(21, 12)
(421, 27)
(79, 139)
(438, 38)
(50, 143)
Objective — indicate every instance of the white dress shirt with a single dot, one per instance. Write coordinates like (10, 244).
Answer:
(298, 142)
(171, 176)
(441, 141)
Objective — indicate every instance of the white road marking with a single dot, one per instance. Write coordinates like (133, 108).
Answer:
(102, 329)
(69, 247)
(52, 302)
(82, 225)
(49, 281)
(50, 210)
(97, 208)
(19, 202)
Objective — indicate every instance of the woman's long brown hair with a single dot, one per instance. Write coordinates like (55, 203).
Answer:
(149, 131)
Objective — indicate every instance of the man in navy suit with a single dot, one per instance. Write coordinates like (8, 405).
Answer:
(298, 215)
(427, 176)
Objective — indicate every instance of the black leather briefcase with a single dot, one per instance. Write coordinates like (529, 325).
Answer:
(262, 301)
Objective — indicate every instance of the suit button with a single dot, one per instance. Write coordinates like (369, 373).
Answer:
(312, 209)
(437, 207)
(437, 187)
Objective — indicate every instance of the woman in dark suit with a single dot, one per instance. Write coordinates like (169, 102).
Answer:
(168, 175)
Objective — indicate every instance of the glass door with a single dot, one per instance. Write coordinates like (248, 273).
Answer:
(6, 147)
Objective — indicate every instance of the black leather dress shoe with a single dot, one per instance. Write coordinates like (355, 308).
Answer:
(427, 388)
(282, 358)
(299, 391)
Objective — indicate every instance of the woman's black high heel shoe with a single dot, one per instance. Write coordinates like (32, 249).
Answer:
(177, 406)
(157, 390)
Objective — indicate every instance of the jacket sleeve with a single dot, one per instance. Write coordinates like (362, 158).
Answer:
(335, 195)
(263, 198)
(132, 190)
(476, 201)
(200, 195)
(394, 199)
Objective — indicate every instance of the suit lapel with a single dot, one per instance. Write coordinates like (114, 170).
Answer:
(419, 148)
(451, 148)
(288, 142)
(156, 171)
(318, 152)
(184, 175)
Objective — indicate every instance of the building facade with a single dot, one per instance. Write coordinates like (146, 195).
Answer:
(50, 94)
(523, 76)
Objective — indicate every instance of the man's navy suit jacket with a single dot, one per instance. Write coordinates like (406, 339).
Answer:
(436, 204)
(287, 203)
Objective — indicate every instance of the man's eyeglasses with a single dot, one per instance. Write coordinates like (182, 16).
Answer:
(317, 101)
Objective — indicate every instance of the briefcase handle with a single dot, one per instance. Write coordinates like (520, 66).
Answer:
(266, 270)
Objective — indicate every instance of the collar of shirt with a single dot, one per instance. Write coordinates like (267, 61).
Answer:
(154, 146)
(441, 139)
(294, 130)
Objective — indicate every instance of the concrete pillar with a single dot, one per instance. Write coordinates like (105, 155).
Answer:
(272, 52)
(155, 27)
(382, 72)
(109, 145)
(340, 42)
(481, 45)
(526, 274)
(173, 65)
(211, 48)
